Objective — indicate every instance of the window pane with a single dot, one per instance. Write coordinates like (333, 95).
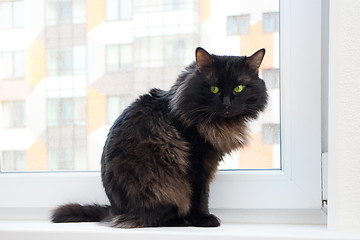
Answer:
(80, 111)
(271, 77)
(125, 9)
(52, 62)
(79, 11)
(80, 158)
(53, 110)
(6, 65)
(66, 112)
(85, 70)
(18, 14)
(112, 10)
(238, 25)
(79, 59)
(244, 23)
(112, 58)
(5, 14)
(51, 12)
(65, 11)
(113, 109)
(271, 22)
(19, 64)
(20, 160)
(8, 161)
(65, 61)
(19, 114)
(8, 113)
(232, 25)
(126, 57)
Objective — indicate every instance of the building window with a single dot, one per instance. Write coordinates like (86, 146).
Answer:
(238, 25)
(270, 22)
(175, 5)
(66, 61)
(11, 14)
(65, 12)
(118, 10)
(14, 114)
(66, 111)
(118, 58)
(115, 106)
(12, 65)
(271, 77)
(271, 133)
(13, 161)
(174, 50)
(67, 158)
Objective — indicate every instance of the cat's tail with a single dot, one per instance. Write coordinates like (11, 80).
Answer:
(80, 213)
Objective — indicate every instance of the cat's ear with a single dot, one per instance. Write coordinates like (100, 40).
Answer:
(204, 60)
(254, 61)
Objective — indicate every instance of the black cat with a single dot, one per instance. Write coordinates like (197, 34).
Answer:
(164, 149)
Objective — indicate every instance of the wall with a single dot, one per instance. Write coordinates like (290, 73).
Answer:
(344, 116)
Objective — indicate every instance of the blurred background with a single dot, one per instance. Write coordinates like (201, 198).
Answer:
(69, 67)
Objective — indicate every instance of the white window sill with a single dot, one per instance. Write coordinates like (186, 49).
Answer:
(45, 230)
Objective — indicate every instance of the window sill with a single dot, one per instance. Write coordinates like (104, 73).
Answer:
(45, 230)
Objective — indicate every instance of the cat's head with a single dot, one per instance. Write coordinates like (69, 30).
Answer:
(220, 88)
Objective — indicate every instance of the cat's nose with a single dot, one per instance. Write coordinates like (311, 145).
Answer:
(226, 103)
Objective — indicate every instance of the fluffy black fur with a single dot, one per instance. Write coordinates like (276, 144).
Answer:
(163, 151)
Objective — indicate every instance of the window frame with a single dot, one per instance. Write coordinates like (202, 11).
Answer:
(296, 186)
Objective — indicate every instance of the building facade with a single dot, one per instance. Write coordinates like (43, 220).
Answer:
(69, 67)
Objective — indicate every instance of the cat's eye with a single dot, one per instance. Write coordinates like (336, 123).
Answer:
(239, 88)
(214, 89)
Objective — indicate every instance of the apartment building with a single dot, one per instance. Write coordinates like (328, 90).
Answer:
(69, 67)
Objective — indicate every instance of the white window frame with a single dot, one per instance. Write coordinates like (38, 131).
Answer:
(297, 187)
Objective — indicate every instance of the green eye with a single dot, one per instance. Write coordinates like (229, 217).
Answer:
(214, 89)
(239, 88)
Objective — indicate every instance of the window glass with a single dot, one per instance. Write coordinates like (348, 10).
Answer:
(51, 12)
(7, 65)
(80, 111)
(18, 14)
(66, 111)
(271, 77)
(112, 10)
(65, 61)
(65, 11)
(125, 57)
(112, 58)
(13, 161)
(14, 114)
(125, 9)
(53, 110)
(238, 25)
(19, 64)
(79, 59)
(113, 108)
(19, 116)
(79, 10)
(8, 114)
(52, 61)
(115, 105)
(5, 14)
(87, 66)
(271, 22)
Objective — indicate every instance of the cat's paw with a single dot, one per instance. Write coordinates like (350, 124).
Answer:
(205, 221)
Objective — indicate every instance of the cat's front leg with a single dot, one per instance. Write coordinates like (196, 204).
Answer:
(199, 214)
